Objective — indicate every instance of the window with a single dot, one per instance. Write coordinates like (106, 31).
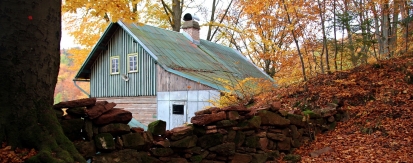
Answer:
(178, 109)
(132, 62)
(114, 65)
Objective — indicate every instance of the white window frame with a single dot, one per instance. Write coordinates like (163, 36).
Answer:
(136, 62)
(117, 65)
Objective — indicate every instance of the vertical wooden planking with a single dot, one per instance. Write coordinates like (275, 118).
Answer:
(141, 83)
(109, 84)
(140, 56)
(132, 85)
(92, 81)
(145, 80)
(103, 62)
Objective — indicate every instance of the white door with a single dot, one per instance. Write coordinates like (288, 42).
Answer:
(178, 112)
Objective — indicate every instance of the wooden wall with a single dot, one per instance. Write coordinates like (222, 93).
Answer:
(143, 108)
(141, 83)
(167, 81)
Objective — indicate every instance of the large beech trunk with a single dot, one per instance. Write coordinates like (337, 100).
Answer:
(30, 33)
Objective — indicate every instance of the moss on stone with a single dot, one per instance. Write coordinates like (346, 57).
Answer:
(198, 130)
(157, 127)
(226, 149)
(239, 139)
(311, 114)
(318, 121)
(147, 159)
(133, 140)
(254, 122)
(231, 136)
(332, 126)
(273, 155)
(292, 158)
(297, 120)
(226, 123)
(210, 140)
(196, 159)
(104, 141)
(252, 141)
(259, 158)
(161, 152)
(187, 142)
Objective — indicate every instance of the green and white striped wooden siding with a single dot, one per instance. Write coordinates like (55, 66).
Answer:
(141, 83)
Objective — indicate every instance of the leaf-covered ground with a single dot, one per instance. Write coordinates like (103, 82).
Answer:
(379, 98)
(7, 155)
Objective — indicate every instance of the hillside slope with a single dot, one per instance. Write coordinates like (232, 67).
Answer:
(379, 101)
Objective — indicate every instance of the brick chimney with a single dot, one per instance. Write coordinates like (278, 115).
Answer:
(191, 27)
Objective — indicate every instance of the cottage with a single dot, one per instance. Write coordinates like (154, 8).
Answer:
(160, 74)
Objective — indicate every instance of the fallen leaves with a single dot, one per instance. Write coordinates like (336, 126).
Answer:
(7, 155)
(380, 105)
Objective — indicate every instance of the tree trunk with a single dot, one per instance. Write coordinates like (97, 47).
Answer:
(377, 32)
(30, 58)
(362, 54)
(385, 28)
(349, 34)
(210, 35)
(325, 48)
(211, 20)
(393, 35)
(335, 36)
(176, 14)
(296, 42)
(405, 25)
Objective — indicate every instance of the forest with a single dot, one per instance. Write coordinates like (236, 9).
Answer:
(291, 41)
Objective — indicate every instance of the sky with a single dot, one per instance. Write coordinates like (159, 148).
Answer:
(67, 41)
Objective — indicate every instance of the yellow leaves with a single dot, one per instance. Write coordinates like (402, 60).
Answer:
(78, 56)
(242, 92)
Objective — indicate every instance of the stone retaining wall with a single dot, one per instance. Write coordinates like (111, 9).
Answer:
(231, 134)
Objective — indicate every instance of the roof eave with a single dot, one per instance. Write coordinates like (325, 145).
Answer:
(83, 69)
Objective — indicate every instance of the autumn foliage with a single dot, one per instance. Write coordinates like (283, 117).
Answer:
(379, 100)
(65, 89)
(243, 92)
(7, 155)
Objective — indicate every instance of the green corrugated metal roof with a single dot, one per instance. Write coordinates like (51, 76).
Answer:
(204, 63)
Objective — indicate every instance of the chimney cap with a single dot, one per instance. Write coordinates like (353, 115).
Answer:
(189, 17)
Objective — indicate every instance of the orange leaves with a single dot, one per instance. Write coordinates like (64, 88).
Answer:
(7, 155)
(65, 89)
(380, 123)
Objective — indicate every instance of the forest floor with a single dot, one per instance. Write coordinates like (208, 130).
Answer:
(379, 99)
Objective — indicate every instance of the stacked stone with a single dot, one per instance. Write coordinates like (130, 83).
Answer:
(94, 126)
(237, 134)
(232, 134)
